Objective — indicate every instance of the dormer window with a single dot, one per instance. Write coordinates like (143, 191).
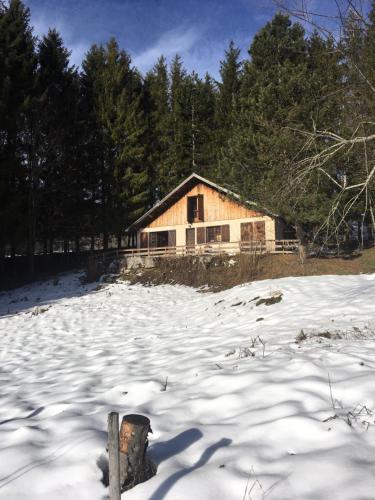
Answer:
(195, 208)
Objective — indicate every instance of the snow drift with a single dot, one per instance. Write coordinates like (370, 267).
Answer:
(246, 412)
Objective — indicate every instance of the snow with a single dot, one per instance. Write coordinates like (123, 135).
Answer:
(245, 413)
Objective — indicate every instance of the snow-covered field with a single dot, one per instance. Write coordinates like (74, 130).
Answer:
(241, 417)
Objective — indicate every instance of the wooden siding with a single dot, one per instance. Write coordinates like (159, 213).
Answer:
(216, 207)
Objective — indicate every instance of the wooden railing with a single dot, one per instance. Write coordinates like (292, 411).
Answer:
(231, 248)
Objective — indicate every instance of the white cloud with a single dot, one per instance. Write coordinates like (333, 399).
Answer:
(199, 52)
(78, 51)
(177, 41)
(42, 24)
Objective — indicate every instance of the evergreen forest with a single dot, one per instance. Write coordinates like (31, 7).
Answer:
(84, 151)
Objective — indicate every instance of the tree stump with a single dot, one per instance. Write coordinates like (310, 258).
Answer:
(134, 465)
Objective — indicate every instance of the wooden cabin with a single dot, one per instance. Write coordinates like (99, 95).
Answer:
(199, 213)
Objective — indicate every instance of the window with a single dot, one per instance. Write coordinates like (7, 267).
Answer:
(217, 234)
(195, 208)
(213, 234)
(152, 239)
(161, 239)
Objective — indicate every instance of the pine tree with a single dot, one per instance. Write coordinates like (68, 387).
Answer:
(203, 126)
(4, 173)
(17, 182)
(228, 94)
(114, 97)
(282, 93)
(58, 94)
(180, 163)
(159, 127)
(137, 191)
(91, 80)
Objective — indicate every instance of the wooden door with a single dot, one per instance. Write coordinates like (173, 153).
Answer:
(144, 240)
(190, 240)
(190, 237)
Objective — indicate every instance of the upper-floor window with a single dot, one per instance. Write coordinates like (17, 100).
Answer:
(195, 208)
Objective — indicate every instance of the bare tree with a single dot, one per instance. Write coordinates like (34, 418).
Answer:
(356, 137)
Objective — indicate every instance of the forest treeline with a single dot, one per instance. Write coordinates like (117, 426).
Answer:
(85, 151)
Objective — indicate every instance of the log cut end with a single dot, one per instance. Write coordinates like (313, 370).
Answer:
(135, 467)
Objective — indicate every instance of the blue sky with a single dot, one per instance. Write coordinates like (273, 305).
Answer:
(199, 30)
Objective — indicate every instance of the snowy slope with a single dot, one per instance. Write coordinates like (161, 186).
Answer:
(230, 424)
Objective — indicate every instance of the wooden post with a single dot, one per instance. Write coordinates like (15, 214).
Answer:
(133, 445)
(113, 452)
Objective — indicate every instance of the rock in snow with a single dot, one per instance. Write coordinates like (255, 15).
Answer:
(288, 421)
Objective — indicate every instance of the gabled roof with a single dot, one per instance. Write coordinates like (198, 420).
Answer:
(178, 193)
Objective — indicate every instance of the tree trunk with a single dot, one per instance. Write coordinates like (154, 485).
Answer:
(2, 258)
(105, 241)
(31, 202)
(302, 246)
(13, 250)
(92, 243)
(360, 232)
(134, 466)
(31, 262)
(373, 223)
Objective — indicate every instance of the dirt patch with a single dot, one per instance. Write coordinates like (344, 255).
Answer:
(222, 272)
(268, 301)
(354, 333)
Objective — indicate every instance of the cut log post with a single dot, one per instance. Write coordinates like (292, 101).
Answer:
(134, 466)
(302, 253)
(113, 452)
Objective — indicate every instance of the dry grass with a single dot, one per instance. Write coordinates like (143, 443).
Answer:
(222, 272)
(279, 266)
(216, 273)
